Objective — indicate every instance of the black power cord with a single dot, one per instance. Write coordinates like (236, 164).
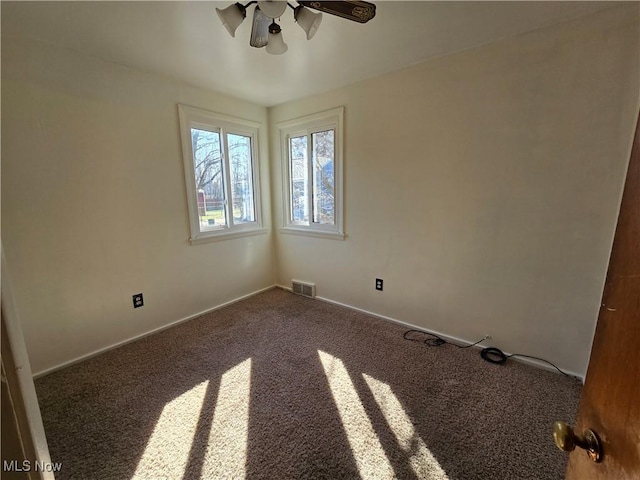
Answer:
(493, 355)
(490, 354)
(435, 340)
(537, 358)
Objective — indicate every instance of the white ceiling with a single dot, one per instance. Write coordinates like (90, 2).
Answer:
(186, 40)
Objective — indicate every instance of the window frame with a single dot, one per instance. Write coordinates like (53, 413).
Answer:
(192, 117)
(306, 126)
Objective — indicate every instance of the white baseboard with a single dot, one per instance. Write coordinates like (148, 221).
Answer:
(146, 334)
(448, 338)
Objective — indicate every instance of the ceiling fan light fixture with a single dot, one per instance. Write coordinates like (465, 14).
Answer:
(275, 44)
(266, 32)
(232, 16)
(308, 21)
(272, 8)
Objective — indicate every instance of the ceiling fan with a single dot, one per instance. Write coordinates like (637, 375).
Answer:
(265, 32)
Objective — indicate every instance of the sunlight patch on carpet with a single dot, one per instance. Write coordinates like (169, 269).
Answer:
(167, 451)
(422, 461)
(366, 448)
(227, 447)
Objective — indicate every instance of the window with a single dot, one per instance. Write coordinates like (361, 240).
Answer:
(221, 170)
(312, 174)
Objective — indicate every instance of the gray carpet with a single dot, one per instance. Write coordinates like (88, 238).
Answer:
(284, 387)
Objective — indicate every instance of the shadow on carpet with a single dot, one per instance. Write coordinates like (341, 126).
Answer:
(284, 387)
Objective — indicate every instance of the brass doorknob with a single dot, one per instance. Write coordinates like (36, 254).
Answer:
(566, 439)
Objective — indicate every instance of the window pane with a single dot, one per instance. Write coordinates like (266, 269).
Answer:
(323, 177)
(207, 163)
(241, 178)
(299, 179)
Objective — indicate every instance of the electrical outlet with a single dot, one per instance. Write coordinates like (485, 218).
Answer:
(137, 300)
(379, 283)
(487, 337)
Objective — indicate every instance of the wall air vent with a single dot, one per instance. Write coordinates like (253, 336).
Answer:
(303, 288)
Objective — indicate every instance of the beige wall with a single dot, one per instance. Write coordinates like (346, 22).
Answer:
(94, 205)
(483, 187)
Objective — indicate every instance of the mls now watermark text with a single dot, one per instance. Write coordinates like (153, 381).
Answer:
(28, 466)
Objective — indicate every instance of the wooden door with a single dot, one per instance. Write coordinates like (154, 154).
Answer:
(610, 402)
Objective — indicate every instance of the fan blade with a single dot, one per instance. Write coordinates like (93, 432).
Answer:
(259, 29)
(356, 11)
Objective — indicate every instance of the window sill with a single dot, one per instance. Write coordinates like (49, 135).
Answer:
(216, 237)
(313, 233)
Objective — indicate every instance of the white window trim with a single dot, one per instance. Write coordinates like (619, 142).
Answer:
(199, 118)
(333, 118)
